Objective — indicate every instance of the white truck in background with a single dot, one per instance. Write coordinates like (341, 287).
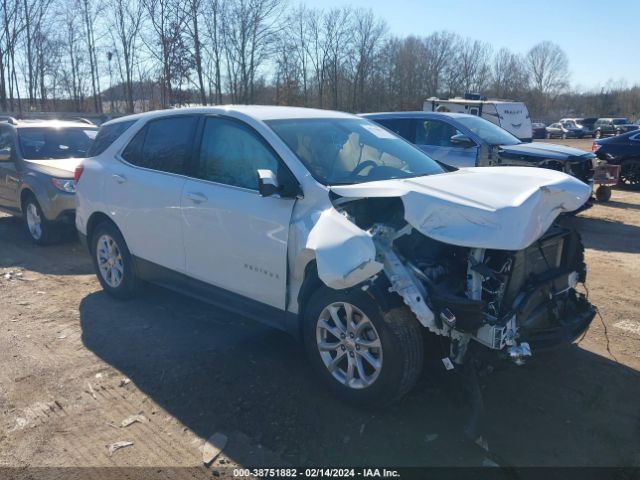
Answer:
(511, 116)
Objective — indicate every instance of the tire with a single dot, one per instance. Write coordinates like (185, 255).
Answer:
(630, 174)
(564, 136)
(112, 262)
(40, 230)
(618, 132)
(396, 344)
(548, 135)
(598, 134)
(603, 193)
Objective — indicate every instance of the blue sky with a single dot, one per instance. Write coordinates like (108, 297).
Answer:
(600, 37)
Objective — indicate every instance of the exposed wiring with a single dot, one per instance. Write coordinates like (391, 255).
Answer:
(604, 326)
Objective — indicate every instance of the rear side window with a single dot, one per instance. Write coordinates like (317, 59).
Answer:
(400, 126)
(106, 136)
(163, 144)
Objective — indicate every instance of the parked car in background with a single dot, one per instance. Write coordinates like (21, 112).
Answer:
(612, 126)
(623, 150)
(332, 228)
(461, 140)
(564, 130)
(585, 123)
(539, 130)
(37, 163)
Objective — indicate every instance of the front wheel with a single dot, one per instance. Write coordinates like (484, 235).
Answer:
(40, 230)
(598, 134)
(364, 355)
(112, 261)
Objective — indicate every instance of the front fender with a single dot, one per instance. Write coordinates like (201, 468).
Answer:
(345, 254)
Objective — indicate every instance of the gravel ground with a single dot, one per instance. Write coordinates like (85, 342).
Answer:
(76, 363)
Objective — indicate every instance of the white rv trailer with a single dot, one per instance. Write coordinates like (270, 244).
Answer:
(512, 116)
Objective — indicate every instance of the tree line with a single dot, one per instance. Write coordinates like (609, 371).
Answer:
(121, 56)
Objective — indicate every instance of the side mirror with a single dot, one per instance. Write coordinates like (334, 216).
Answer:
(5, 155)
(268, 184)
(461, 140)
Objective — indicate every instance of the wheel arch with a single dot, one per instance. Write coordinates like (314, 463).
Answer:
(96, 219)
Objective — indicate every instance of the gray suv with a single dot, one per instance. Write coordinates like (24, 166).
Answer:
(38, 159)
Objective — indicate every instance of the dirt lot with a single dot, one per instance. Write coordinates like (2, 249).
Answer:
(76, 363)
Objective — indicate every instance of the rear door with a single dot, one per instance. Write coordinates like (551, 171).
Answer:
(234, 238)
(144, 189)
(434, 138)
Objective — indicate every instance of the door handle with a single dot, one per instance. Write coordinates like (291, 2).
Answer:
(196, 197)
(119, 178)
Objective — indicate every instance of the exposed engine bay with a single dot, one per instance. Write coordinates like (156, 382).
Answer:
(508, 301)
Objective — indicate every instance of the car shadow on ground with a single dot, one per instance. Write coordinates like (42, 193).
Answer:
(622, 205)
(66, 257)
(214, 371)
(605, 235)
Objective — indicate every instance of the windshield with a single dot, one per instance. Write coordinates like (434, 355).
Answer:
(50, 143)
(620, 121)
(347, 151)
(487, 131)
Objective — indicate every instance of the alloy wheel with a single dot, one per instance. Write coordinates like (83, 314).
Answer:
(110, 261)
(34, 222)
(349, 345)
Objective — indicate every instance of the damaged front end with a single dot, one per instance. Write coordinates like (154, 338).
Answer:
(510, 301)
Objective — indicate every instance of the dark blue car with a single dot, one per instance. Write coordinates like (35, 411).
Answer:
(462, 140)
(623, 150)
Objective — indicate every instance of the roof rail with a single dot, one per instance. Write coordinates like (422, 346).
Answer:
(8, 119)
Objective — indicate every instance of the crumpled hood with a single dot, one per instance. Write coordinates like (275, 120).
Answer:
(544, 150)
(64, 167)
(506, 208)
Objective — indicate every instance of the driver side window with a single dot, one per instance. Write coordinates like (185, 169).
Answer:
(435, 132)
(231, 153)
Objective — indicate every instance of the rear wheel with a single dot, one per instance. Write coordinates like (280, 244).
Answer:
(40, 230)
(365, 356)
(630, 174)
(112, 261)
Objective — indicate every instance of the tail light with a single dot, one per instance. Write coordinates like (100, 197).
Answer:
(595, 147)
(78, 173)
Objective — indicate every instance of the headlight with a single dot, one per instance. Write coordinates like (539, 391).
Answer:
(65, 184)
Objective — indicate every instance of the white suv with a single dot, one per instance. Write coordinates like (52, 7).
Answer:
(336, 230)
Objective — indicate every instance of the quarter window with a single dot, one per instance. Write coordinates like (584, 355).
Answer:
(106, 136)
(163, 144)
(231, 153)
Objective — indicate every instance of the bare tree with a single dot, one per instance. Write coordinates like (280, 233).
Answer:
(549, 68)
(509, 76)
(213, 47)
(90, 13)
(368, 33)
(127, 17)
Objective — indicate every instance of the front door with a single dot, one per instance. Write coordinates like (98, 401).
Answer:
(234, 238)
(434, 138)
